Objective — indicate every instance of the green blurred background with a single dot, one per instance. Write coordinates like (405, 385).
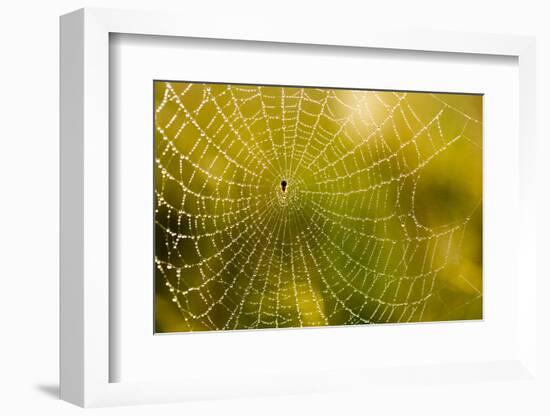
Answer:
(380, 221)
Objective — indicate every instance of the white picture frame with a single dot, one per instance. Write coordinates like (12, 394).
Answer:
(85, 221)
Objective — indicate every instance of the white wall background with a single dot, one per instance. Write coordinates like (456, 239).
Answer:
(29, 56)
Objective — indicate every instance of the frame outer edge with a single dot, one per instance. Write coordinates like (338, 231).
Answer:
(71, 218)
(95, 194)
(527, 264)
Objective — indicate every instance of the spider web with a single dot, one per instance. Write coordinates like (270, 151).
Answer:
(351, 239)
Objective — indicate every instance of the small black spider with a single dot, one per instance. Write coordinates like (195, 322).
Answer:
(283, 185)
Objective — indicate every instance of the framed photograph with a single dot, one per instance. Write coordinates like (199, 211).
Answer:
(283, 212)
(292, 207)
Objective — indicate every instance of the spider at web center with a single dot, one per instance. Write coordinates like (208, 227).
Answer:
(287, 191)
